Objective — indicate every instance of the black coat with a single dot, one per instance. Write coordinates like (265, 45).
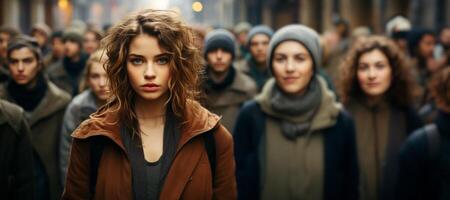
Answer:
(341, 170)
(424, 174)
(16, 154)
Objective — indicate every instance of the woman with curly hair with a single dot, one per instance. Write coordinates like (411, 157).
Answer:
(151, 140)
(377, 89)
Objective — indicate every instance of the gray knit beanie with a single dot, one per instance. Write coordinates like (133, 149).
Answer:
(303, 34)
(260, 29)
(219, 39)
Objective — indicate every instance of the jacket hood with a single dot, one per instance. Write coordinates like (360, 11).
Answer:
(198, 121)
(325, 116)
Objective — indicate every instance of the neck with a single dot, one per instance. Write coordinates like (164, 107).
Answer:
(75, 58)
(374, 100)
(218, 77)
(260, 65)
(99, 102)
(151, 112)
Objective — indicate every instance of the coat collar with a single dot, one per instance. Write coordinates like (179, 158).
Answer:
(199, 120)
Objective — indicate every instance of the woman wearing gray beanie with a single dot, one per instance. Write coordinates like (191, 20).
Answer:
(294, 141)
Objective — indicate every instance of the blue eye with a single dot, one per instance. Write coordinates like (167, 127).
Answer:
(162, 60)
(136, 61)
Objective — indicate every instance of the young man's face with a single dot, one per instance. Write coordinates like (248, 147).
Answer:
(58, 47)
(258, 47)
(219, 60)
(23, 66)
(71, 48)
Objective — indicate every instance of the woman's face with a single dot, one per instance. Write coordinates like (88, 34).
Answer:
(374, 73)
(98, 81)
(292, 67)
(148, 68)
(426, 46)
(90, 42)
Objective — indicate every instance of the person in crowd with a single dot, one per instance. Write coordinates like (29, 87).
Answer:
(16, 154)
(95, 94)
(225, 87)
(255, 65)
(44, 106)
(397, 29)
(241, 32)
(67, 73)
(294, 141)
(91, 40)
(442, 49)
(378, 90)
(424, 167)
(6, 34)
(41, 32)
(421, 43)
(57, 51)
(157, 141)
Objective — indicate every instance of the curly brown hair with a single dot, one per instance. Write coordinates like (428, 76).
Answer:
(403, 89)
(440, 89)
(176, 38)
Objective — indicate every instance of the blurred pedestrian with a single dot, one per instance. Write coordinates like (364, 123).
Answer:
(44, 106)
(57, 49)
(91, 40)
(41, 32)
(255, 65)
(241, 32)
(6, 34)
(95, 94)
(294, 141)
(424, 168)
(397, 28)
(378, 90)
(156, 141)
(16, 154)
(67, 73)
(226, 88)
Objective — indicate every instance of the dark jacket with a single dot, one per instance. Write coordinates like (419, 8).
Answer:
(341, 173)
(45, 122)
(16, 154)
(189, 176)
(424, 174)
(66, 74)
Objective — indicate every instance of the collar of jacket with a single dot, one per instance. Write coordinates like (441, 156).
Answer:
(54, 100)
(199, 120)
(10, 113)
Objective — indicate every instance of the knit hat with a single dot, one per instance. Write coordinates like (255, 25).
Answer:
(242, 27)
(303, 34)
(74, 36)
(219, 39)
(42, 28)
(397, 24)
(260, 29)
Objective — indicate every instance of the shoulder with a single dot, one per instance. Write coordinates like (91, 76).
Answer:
(244, 83)
(242, 65)
(223, 137)
(59, 94)
(12, 113)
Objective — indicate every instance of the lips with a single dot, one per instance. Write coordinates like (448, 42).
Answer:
(290, 79)
(373, 84)
(150, 87)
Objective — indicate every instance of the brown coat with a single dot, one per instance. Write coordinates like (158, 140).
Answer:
(45, 122)
(189, 176)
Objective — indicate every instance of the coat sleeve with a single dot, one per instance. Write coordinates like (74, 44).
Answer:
(351, 190)
(23, 166)
(225, 179)
(77, 181)
(69, 124)
(412, 171)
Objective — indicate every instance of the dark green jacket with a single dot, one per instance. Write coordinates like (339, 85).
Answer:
(45, 122)
(16, 154)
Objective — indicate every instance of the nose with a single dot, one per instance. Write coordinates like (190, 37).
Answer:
(20, 67)
(371, 73)
(103, 81)
(149, 72)
(290, 65)
(219, 53)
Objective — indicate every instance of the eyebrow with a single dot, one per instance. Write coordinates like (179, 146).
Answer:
(141, 56)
